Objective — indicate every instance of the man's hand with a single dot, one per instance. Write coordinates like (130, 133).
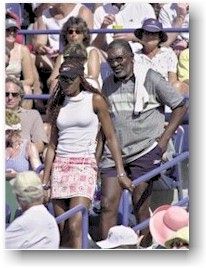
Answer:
(126, 183)
(108, 20)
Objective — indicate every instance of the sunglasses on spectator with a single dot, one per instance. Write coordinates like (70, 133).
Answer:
(66, 79)
(13, 94)
(11, 29)
(74, 31)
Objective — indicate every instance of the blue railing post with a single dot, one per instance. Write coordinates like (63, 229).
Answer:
(96, 31)
(145, 223)
(125, 207)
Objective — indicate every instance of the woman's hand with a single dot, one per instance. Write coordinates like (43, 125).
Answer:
(47, 194)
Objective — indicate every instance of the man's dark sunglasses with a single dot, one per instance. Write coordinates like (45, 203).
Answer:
(13, 94)
(119, 59)
(74, 31)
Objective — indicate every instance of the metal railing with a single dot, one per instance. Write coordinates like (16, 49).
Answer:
(144, 178)
(145, 223)
(101, 31)
(71, 212)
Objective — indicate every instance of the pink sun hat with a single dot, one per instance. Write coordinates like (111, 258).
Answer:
(166, 221)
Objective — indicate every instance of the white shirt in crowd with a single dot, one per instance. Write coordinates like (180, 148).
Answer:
(36, 228)
(130, 15)
(167, 15)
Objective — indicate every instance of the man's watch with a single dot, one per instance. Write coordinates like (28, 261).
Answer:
(45, 186)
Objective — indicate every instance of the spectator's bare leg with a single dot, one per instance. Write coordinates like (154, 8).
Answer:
(141, 200)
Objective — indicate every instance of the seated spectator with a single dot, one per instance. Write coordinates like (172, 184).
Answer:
(175, 15)
(183, 66)
(179, 239)
(155, 56)
(166, 221)
(120, 237)
(37, 9)
(118, 16)
(36, 228)
(21, 154)
(75, 31)
(13, 11)
(31, 121)
(20, 63)
(53, 18)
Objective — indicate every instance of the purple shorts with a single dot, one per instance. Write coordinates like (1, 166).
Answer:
(139, 166)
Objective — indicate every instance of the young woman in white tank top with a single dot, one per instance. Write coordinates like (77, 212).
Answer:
(75, 111)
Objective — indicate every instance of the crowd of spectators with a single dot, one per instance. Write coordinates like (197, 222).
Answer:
(33, 63)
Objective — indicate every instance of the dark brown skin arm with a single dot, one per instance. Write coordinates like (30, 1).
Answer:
(101, 109)
(176, 119)
(50, 154)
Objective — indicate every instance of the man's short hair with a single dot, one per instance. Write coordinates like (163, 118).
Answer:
(16, 82)
(119, 43)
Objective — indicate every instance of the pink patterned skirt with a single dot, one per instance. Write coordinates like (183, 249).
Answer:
(73, 176)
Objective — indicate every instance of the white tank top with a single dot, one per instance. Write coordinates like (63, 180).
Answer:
(78, 126)
(54, 24)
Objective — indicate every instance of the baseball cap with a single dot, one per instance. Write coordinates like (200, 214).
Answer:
(118, 236)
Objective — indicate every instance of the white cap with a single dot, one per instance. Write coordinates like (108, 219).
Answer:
(27, 185)
(118, 236)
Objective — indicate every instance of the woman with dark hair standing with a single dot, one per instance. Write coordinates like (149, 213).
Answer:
(75, 31)
(75, 111)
